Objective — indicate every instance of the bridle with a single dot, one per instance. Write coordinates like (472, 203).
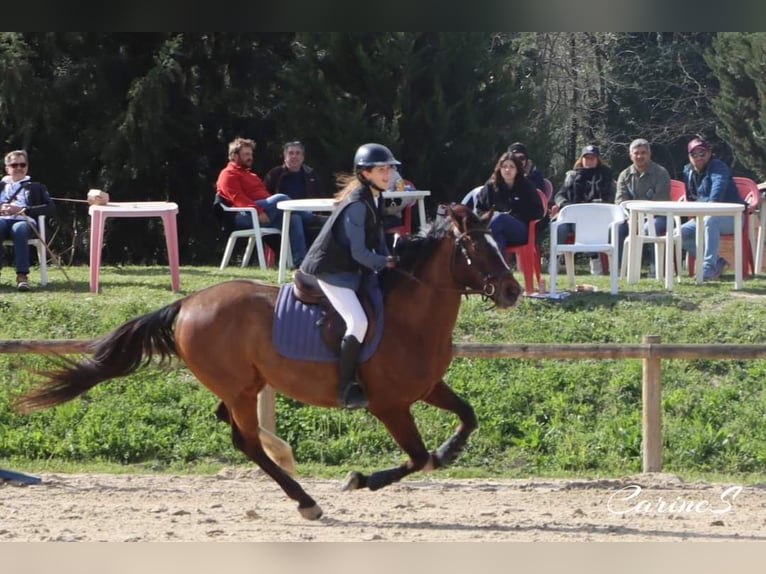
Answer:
(487, 290)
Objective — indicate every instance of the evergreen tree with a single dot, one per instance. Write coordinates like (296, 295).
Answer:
(336, 92)
(661, 89)
(143, 116)
(446, 103)
(739, 62)
(465, 97)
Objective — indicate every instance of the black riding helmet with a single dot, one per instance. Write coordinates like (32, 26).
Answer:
(372, 154)
(368, 156)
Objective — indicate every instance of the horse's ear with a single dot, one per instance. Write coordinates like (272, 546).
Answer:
(457, 220)
(485, 218)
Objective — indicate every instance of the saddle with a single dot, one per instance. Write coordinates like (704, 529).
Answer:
(307, 290)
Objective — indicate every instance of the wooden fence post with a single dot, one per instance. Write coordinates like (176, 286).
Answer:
(267, 409)
(651, 395)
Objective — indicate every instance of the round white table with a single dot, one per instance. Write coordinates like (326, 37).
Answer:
(288, 206)
(671, 209)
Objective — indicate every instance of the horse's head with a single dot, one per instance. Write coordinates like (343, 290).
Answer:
(478, 263)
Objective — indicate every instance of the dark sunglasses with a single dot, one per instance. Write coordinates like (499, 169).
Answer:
(17, 165)
(701, 153)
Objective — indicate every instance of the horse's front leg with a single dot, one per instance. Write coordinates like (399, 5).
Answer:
(401, 426)
(445, 398)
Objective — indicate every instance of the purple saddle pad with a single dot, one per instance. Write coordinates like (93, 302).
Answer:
(297, 335)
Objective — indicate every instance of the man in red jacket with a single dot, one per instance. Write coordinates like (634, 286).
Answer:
(239, 186)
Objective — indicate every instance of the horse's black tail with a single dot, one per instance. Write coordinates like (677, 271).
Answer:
(121, 352)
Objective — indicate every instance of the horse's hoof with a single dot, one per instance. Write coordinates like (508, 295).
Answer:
(352, 481)
(311, 512)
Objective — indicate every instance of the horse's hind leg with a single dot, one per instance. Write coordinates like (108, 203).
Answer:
(245, 432)
(401, 426)
(277, 449)
(445, 398)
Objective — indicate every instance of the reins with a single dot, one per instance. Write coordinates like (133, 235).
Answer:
(486, 292)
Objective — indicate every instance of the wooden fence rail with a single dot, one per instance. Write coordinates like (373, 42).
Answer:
(646, 350)
(62, 346)
(651, 350)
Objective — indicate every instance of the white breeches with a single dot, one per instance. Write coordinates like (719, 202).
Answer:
(348, 306)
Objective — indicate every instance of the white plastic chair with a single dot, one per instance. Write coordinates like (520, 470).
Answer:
(469, 200)
(593, 223)
(254, 237)
(659, 249)
(42, 256)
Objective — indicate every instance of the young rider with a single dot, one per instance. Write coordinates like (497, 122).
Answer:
(350, 243)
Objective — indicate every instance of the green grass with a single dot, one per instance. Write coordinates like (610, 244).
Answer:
(545, 418)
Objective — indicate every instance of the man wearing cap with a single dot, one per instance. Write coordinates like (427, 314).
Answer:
(589, 181)
(708, 179)
(643, 179)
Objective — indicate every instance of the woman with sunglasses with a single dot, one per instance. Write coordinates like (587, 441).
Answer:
(21, 202)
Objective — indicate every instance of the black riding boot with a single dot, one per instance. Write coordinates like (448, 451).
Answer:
(350, 391)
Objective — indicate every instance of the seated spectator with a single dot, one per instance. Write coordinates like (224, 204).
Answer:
(514, 199)
(299, 181)
(643, 179)
(708, 179)
(589, 181)
(294, 177)
(21, 202)
(239, 186)
(519, 150)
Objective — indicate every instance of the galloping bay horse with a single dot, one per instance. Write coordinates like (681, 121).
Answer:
(223, 335)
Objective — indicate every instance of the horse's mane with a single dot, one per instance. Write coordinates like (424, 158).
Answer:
(413, 250)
